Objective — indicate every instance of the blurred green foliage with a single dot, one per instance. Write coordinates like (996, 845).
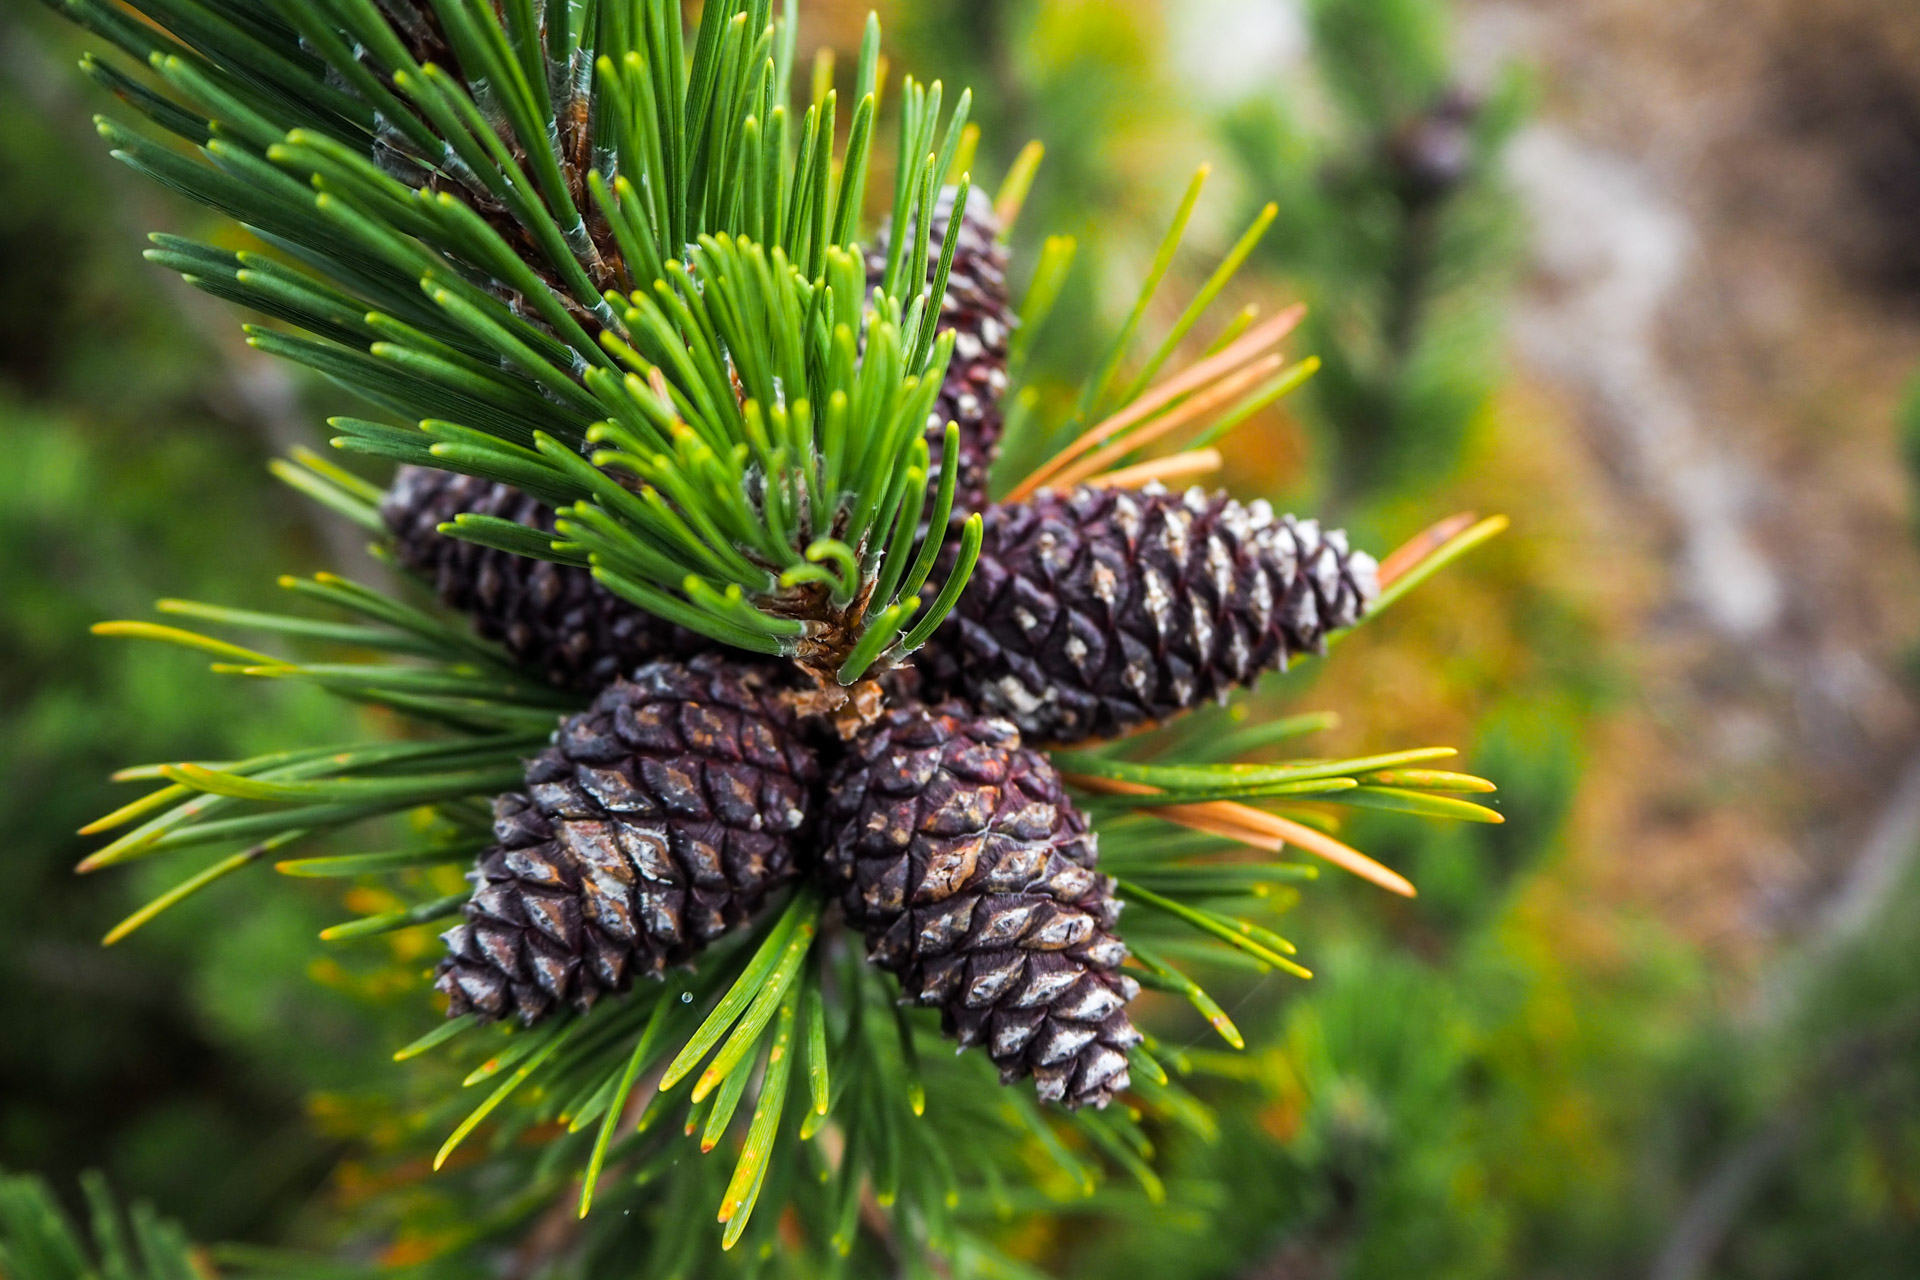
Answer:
(39, 1242)
(1834, 1106)
(126, 476)
(1394, 226)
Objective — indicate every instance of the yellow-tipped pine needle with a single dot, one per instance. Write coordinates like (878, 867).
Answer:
(1257, 828)
(182, 891)
(500, 1095)
(1012, 196)
(133, 809)
(185, 639)
(1423, 544)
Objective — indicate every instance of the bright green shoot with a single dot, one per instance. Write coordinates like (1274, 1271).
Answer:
(597, 256)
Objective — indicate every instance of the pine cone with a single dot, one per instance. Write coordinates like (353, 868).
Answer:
(658, 820)
(1094, 613)
(971, 873)
(1430, 156)
(551, 617)
(980, 314)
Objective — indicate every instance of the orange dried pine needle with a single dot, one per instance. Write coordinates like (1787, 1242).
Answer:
(1257, 828)
(1201, 375)
(1423, 544)
(1222, 393)
(1178, 466)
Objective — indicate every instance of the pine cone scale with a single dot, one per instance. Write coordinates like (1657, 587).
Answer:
(978, 311)
(972, 876)
(551, 617)
(659, 820)
(1094, 613)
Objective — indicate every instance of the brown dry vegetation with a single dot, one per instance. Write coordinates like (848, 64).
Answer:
(1729, 791)
(1739, 759)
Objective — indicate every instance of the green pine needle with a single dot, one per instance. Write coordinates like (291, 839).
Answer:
(445, 270)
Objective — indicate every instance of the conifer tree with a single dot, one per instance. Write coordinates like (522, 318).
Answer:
(757, 723)
(1393, 217)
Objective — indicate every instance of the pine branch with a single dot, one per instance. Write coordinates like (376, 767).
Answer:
(523, 248)
(581, 252)
(39, 1242)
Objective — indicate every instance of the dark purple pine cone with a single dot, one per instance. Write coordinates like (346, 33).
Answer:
(1095, 613)
(659, 819)
(960, 856)
(551, 617)
(1433, 153)
(981, 317)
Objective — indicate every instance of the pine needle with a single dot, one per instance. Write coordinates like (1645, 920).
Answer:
(1012, 196)
(1254, 827)
(187, 888)
(1196, 378)
(1222, 393)
(1423, 544)
(1168, 470)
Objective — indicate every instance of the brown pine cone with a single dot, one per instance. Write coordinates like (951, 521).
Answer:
(551, 617)
(658, 820)
(960, 856)
(1097, 612)
(980, 314)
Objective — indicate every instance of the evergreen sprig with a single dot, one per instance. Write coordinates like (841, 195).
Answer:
(785, 1055)
(38, 1241)
(566, 248)
(782, 1073)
